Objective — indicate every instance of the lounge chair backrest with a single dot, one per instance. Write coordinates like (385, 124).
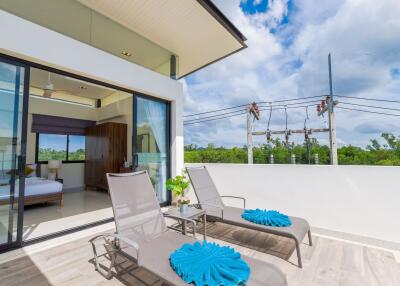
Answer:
(137, 212)
(204, 187)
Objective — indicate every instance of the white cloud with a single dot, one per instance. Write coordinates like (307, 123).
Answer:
(362, 36)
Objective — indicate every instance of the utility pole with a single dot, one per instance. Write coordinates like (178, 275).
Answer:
(332, 119)
(252, 113)
(329, 106)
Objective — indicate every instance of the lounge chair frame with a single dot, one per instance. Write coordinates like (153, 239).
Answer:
(275, 231)
(133, 219)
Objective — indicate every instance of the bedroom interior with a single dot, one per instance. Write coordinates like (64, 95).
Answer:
(77, 131)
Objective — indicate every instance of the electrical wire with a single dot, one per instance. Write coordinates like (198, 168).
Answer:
(368, 111)
(242, 105)
(269, 119)
(292, 105)
(294, 99)
(289, 104)
(307, 118)
(201, 121)
(206, 119)
(286, 116)
(370, 106)
(365, 98)
(216, 115)
(288, 100)
(216, 110)
(271, 107)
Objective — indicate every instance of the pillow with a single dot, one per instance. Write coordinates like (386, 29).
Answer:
(30, 170)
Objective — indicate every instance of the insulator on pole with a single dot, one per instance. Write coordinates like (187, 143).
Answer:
(316, 159)
(327, 98)
(271, 158)
(268, 133)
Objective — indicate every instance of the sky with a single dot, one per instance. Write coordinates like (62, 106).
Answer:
(288, 44)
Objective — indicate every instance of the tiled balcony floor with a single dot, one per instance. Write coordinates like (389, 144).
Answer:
(68, 261)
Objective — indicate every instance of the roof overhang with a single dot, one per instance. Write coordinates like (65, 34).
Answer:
(196, 31)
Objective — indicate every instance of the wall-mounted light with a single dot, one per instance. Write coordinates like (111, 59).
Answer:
(126, 54)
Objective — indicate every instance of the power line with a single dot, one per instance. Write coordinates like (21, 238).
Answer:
(371, 106)
(369, 111)
(216, 115)
(261, 102)
(288, 100)
(274, 107)
(371, 99)
(294, 99)
(216, 110)
(201, 121)
(289, 104)
(289, 107)
(220, 116)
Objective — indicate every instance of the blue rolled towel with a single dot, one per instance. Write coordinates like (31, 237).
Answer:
(267, 217)
(209, 264)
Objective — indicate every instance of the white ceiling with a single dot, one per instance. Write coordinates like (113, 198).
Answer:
(39, 79)
(183, 27)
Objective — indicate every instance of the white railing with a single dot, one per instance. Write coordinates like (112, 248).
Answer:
(358, 200)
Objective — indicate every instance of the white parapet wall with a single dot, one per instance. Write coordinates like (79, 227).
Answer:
(357, 200)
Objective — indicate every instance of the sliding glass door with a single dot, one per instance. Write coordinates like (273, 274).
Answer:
(13, 112)
(151, 142)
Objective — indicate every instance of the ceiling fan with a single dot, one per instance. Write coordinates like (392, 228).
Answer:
(48, 88)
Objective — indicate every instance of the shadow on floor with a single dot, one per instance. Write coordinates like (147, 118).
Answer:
(281, 247)
(127, 272)
(29, 274)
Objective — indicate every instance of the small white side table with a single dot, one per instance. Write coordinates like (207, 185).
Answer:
(188, 216)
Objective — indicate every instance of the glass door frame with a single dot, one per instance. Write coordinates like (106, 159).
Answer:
(168, 137)
(21, 159)
(28, 65)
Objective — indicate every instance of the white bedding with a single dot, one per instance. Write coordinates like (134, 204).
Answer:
(33, 187)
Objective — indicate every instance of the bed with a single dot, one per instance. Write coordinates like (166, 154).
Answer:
(37, 191)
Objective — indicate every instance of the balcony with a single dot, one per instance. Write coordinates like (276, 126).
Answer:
(353, 212)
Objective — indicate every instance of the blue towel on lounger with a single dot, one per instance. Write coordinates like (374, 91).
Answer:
(209, 264)
(266, 217)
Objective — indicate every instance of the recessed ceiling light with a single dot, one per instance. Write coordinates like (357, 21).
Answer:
(125, 53)
(82, 87)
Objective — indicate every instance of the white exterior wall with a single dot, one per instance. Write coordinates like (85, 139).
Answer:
(359, 200)
(26, 40)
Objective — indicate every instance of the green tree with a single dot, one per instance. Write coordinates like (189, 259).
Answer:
(374, 154)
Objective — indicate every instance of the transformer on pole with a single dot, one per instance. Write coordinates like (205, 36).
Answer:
(253, 113)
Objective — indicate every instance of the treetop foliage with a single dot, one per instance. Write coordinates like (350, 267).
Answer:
(387, 154)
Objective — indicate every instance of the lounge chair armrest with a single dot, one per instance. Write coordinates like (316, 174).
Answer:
(110, 239)
(209, 205)
(235, 197)
(185, 219)
(105, 236)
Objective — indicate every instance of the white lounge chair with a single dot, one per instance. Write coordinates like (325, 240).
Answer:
(210, 200)
(142, 233)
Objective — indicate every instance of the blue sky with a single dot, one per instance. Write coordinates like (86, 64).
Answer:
(253, 7)
(288, 43)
